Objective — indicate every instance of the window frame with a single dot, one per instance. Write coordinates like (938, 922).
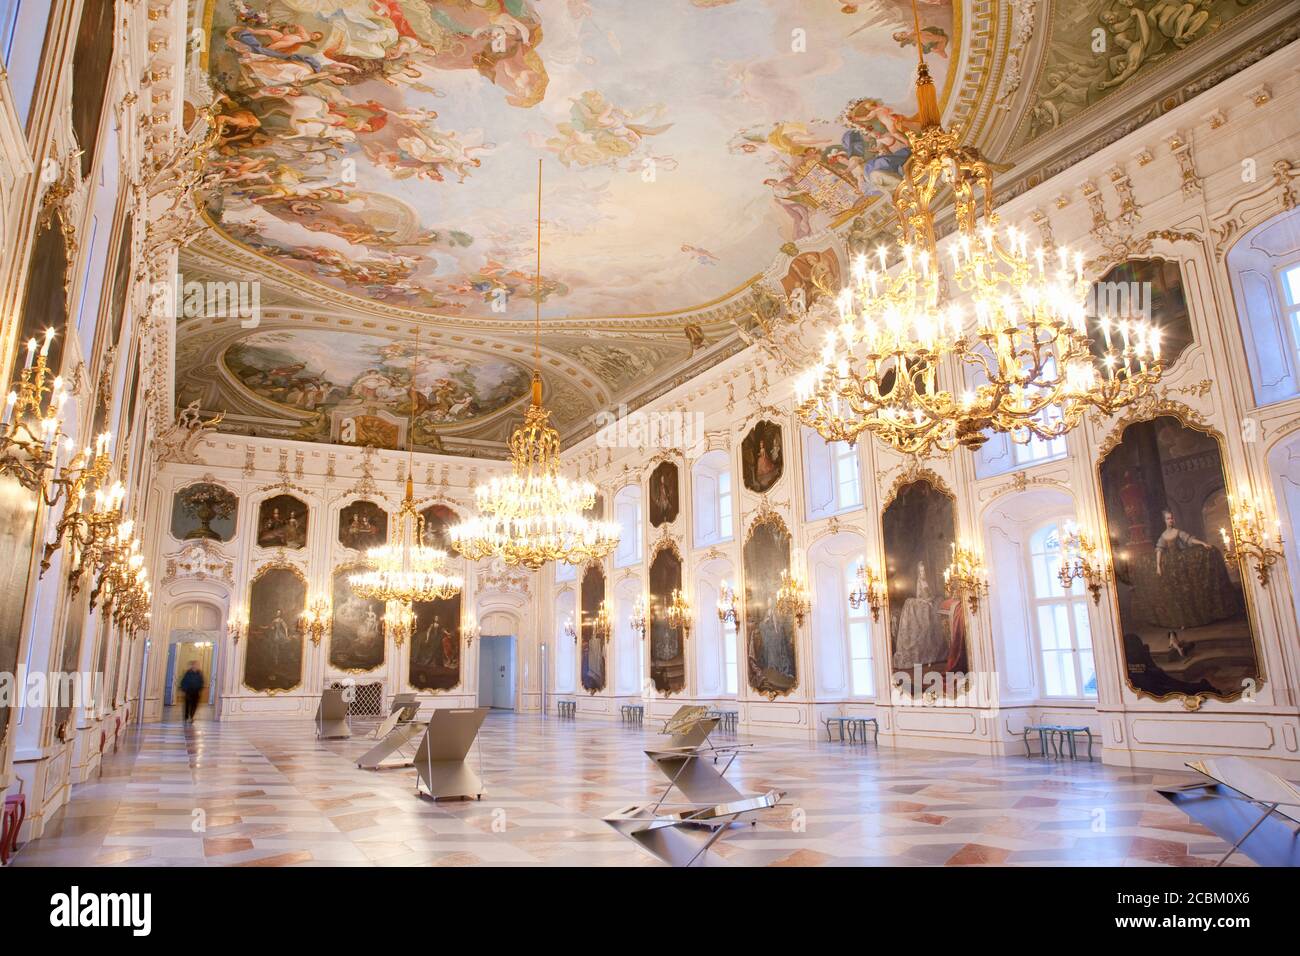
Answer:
(1073, 600)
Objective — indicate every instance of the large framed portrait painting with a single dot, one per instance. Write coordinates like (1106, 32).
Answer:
(927, 629)
(1183, 615)
(435, 645)
(273, 657)
(770, 649)
(357, 625)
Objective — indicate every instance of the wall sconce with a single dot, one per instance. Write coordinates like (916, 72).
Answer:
(603, 625)
(868, 589)
(316, 619)
(33, 424)
(640, 616)
(1251, 538)
(726, 604)
(1082, 559)
(399, 621)
(570, 631)
(679, 613)
(237, 625)
(792, 597)
(966, 575)
(470, 630)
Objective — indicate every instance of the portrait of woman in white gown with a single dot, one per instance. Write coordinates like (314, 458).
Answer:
(920, 638)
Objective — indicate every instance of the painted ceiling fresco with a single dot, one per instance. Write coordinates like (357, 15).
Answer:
(1098, 46)
(388, 148)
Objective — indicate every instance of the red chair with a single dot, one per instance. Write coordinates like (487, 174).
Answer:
(14, 815)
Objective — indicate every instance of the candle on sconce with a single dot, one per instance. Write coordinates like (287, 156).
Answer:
(49, 337)
(31, 353)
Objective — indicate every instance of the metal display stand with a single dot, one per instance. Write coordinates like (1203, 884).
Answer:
(691, 764)
(440, 760)
(332, 715)
(398, 731)
(1230, 808)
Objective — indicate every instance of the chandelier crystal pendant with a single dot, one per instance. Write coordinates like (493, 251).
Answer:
(408, 570)
(1010, 322)
(534, 515)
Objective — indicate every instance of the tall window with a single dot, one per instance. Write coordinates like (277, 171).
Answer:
(711, 490)
(1289, 277)
(627, 512)
(860, 676)
(1061, 619)
(831, 477)
(731, 659)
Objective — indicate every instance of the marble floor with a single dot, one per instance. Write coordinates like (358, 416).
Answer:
(269, 794)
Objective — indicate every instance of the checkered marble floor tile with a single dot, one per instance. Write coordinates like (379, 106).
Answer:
(269, 794)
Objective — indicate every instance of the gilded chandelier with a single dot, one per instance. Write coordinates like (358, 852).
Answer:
(409, 570)
(1008, 324)
(535, 515)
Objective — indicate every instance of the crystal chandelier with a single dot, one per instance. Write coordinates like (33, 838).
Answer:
(408, 570)
(534, 515)
(1020, 339)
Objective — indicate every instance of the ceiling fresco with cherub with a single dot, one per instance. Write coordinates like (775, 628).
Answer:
(387, 149)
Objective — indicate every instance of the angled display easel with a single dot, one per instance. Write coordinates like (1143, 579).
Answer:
(1230, 806)
(691, 764)
(440, 760)
(332, 715)
(399, 730)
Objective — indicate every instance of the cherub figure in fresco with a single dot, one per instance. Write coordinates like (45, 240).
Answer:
(1180, 20)
(702, 256)
(599, 133)
(933, 40)
(1133, 35)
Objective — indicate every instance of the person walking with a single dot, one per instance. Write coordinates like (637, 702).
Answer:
(192, 686)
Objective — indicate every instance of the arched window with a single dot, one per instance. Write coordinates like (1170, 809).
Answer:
(627, 512)
(711, 487)
(1061, 621)
(841, 634)
(832, 482)
(1264, 268)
